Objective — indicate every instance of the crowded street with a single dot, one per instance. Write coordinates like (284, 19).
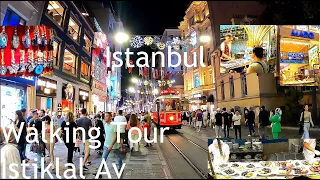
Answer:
(159, 90)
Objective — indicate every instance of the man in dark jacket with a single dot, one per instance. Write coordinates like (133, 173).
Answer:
(263, 121)
(250, 121)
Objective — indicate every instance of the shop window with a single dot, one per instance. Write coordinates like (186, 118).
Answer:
(55, 54)
(87, 43)
(85, 70)
(73, 29)
(222, 90)
(231, 88)
(69, 62)
(244, 85)
(56, 11)
(13, 19)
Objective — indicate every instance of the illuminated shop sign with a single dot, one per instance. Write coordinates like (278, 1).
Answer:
(46, 84)
(304, 34)
(82, 93)
(296, 55)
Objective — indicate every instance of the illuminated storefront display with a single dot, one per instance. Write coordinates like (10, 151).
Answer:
(46, 94)
(299, 52)
(99, 72)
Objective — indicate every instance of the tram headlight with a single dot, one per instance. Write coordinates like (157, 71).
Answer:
(171, 118)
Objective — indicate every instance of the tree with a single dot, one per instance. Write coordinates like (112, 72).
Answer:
(293, 106)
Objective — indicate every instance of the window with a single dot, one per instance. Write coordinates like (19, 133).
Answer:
(13, 19)
(208, 57)
(231, 81)
(87, 43)
(73, 29)
(85, 70)
(55, 54)
(204, 14)
(56, 11)
(211, 80)
(222, 90)
(244, 85)
(191, 21)
(204, 78)
(70, 62)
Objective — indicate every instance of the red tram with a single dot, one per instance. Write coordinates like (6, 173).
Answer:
(167, 109)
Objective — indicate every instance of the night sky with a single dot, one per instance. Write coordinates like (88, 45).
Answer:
(147, 18)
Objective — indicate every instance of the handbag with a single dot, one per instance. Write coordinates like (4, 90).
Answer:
(37, 147)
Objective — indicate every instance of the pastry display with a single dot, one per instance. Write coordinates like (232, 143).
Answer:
(265, 171)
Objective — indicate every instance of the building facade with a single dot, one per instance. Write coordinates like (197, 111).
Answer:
(72, 53)
(198, 81)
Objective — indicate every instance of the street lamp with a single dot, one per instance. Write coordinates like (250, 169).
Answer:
(121, 37)
(131, 90)
(134, 80)
(205, 38)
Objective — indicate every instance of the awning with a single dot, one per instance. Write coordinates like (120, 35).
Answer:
(210, 98)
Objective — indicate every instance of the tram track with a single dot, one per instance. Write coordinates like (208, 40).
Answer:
(194, 154)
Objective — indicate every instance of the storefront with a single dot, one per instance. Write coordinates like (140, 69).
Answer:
(99, 103)
(68, 97)
(16, 93)
(83, 99)
(46, 94)
(299, 55)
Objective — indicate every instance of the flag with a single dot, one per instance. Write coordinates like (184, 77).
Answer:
(145, 71)
(156, 74)
(153, 73)
(130, 68)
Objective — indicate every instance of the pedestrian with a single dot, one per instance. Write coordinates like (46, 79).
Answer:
(77, 144)
(121, 118)
(134, 122)
(25, 116)
(10, 155)
(57, 119)
(275, 119)
(219, 151)
(30, 116)
(218, 127)
(18, 124)
(213, 118)
(199, 119)
(146, 127)
(86, 124)
(309, 149)
(99, 124)
(226, 123)
(193, 119)
(205, 118)
(68, 128)
(110, 143)
(42, 113)
(236, 119)
(263, 121)
(50, 142)
(231, 113)
(250, 121)
(39, 146)
(307, 120)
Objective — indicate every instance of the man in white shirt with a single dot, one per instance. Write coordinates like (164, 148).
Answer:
(226, 47)
(219, 152)
(236, 119)
(309, 150)
(121, 118)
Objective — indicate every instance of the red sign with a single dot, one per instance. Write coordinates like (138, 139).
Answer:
(99, 86)
(169, 91)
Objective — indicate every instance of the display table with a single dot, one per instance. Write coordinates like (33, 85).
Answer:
(268, 169)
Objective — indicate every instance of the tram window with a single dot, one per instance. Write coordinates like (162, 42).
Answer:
(173, 104)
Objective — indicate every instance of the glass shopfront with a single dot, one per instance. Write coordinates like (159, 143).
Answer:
(46, 94)
(12, 99)
(299, 55)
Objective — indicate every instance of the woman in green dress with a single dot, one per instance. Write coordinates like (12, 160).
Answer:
(275, 120)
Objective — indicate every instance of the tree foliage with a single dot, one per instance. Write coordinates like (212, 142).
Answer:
(290, 12)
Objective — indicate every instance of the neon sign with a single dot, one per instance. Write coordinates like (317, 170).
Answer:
(304, 34)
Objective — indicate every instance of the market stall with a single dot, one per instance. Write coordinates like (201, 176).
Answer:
(245, 37)
(268, 169)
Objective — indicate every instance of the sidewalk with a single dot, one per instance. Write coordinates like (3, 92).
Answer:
(149, 163)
